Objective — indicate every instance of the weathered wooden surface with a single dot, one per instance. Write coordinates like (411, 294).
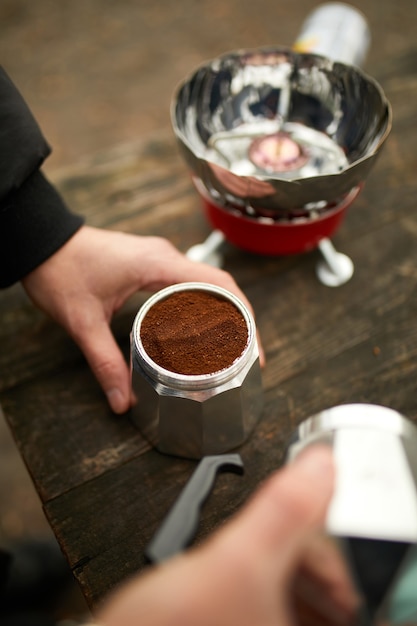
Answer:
(103, 489)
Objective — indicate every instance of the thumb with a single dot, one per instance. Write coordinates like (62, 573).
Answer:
(285, 511)
(108, 365)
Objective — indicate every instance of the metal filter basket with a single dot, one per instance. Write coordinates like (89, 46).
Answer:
(279, 143)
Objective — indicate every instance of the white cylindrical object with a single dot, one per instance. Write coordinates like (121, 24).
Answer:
(337, 31)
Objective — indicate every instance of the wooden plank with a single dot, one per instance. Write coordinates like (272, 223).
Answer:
(302, 324)
(324, 347)
(65, 431)
(142, 491)
(104, 490)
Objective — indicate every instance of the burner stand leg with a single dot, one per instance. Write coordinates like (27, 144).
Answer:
(335, 269)
(207, 252)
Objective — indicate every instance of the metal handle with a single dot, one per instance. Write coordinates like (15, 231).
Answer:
(178, 528)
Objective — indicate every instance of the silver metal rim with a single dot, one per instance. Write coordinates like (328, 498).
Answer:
(183, 381)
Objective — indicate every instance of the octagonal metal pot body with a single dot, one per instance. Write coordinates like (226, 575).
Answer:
(193, 416)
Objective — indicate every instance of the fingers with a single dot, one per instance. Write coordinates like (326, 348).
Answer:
(324, 579)
(282, 515)
(243, 574)
(82, 289)
(177, 268)
(108, 365)
(315, 602)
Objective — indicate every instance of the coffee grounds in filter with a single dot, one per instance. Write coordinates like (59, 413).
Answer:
(194, 332)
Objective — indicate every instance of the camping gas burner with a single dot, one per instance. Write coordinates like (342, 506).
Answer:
(277, 153)
(279, 144)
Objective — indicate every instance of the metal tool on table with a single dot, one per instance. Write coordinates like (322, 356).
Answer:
(373, 512)
(179, 527)
(280, 141)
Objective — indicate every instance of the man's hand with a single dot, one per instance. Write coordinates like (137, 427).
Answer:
(85, 282)
(248, 573)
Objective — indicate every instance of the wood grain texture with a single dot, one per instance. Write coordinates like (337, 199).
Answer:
(103, 489)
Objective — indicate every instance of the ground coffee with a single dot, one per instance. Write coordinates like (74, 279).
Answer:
(194, 332)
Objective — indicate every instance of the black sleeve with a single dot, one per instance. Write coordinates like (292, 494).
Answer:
(34, 220)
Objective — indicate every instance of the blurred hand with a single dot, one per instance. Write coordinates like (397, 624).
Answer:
(85, 282)
(247, 574)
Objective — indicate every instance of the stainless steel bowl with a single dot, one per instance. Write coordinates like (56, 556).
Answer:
(273, 129)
